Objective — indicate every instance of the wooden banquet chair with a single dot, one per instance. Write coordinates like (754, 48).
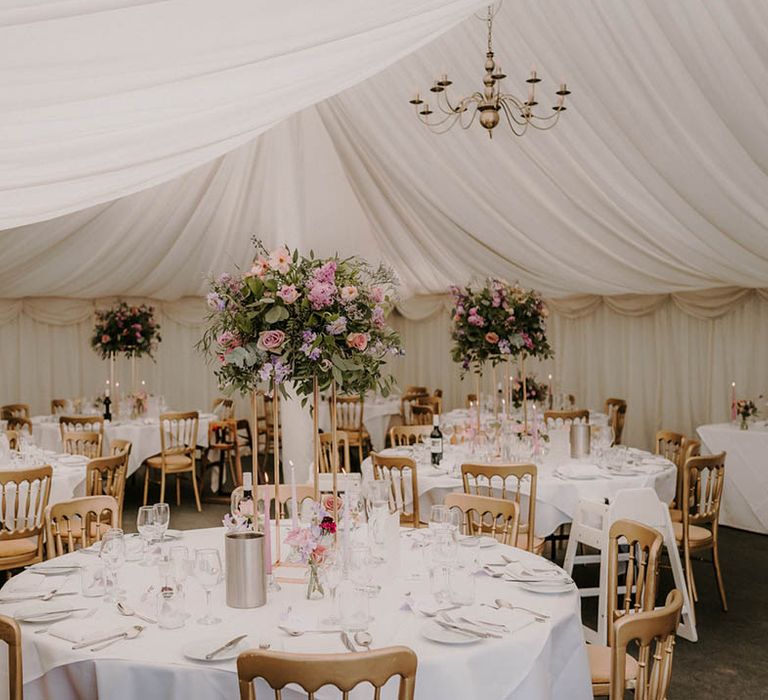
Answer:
(639, 569)
(406, 435)
(401, 471)
(86, 443)
(58, 407)
(304, 492)
(654, 633)
(119, 447)
(223, 408)
(105, 476)
(178, 441)
(434, 402)
(438, 393)
(91, 424)
(669, 444)
(421, 415)
(10, 633)
(505, 481)
(410, 399)
(24, 497)
(688, 448)
(413, 389)
(495, 517)
(470, 401)
(77, 523)
(326, 452)
(13, 439)
(222, 438)
(578, 415)
(616, 409)
(350, 412)
(14, 410)
(703, 480)
(313, 671)
(20, 425)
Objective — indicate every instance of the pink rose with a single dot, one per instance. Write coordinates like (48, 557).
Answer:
(246, 508)
(288, 293)
(491, 338)
(271, 341)
(349, 293)
(259, 269)
(358, 341)
(104, 338)
(377, 294)
(280, 260)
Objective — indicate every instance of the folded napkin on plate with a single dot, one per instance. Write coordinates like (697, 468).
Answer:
(514, 620)
(542, 571)
(79, 630)
(580, 470)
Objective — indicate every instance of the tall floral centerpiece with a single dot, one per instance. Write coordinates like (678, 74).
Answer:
(129, 330)
(494, 323)
(317, 322)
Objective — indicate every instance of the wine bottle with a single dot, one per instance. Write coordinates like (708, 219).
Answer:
(247, 487)
(436, 441)
(107, 403)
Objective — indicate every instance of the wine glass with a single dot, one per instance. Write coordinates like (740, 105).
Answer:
(331, 573)
(208, 573)
(145, 524)
(112, 554)
(437, 516)
(162, 513)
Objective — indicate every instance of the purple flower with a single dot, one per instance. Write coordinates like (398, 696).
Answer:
(282, 371)
(476, 320)
(337, 327)
(378, 317)
(314, 355)
(321, 294)
(215, 301)
(504, 346)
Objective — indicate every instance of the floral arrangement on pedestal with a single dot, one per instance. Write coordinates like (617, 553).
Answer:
(309, 545)
(495, 321)
(535, 391)
(296, 318)
(127, 330)
(745, 410)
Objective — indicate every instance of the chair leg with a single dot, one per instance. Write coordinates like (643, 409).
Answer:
(689, 574)
(197, 495)
(146, 483)
(719, 577)
(178, 489)
(162, 486)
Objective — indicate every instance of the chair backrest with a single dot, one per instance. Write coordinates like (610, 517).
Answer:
(617, 414)
(404, 484)
(13, 439)
(178, 433)
(404, 435)
(421, 415)
(349, 413)
(670, 445)
(14, 410)
(58, 406)
(106, 476)
(223, 408)
(409, 399)
(244, 435)
(654, 633)
(120, 447)
(640, 569)
(24, 497)
(434, 402)
(313, 671)
(87, 423)
(76, 523)
(10, 633)
(688, 448)
(438, 393)
(485, 515)
(304, 492)
(326, 451)
(470, 401)
(223, 432)
(82, 442)
(578, 415)
(413, 389)
(505, 481)
(703, 480)
(19, 424)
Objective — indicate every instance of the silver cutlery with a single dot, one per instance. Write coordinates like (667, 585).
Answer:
(48, 613)
(363, 639)
(38, 596)
(466, 630)
(130, 634)
(494, 625)
(348, 642)
(225, 647)
(293, 632)
(123, 609)
(108, 638)
(500, 603)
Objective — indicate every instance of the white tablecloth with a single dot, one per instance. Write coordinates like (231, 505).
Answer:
(379, 415)
(745, 495)
(459, 416)
(557, 497)
(541, 660)
(144, 434)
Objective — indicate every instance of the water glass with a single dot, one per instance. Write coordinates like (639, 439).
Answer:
(162, 512)
(437, 517)
(134, 548)
(331, 574)
(439, 581)
(461, 585)
(208, 571)
(93, 581)
(353, 613)
(145, 524)
(182, 564)
(112, 554)
(171, 608)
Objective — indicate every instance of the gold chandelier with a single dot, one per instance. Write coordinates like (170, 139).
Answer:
(491, 102)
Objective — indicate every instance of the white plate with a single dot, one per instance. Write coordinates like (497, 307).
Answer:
(555, 587)
(38, 613)
(435, 633)
(482, 542)
(199, 648)
(50, 571)
(578, 477)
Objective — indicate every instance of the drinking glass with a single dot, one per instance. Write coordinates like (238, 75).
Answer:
(162, 519)
(353, 607)
(182, 565)
(461, 586)
(208, 573)
(437, 517)
(93, 581)
(170, 608)
(112, 553)
(331, 573)
(356, 506)
(145, 524)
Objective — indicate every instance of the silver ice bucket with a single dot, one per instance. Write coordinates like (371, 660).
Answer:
(245, 573)
(580, 437)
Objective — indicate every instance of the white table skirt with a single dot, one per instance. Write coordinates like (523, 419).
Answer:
(144, 435)
(557, 499)
(745, 494)
(378, 416)
(541, 660)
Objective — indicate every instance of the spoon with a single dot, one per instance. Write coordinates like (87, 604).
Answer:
(38, 596)
(132, 633)
(264, 645)
(297, 633)
(123, 609)
(363, 639)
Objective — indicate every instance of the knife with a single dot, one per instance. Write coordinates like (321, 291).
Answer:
(467, 630)
(231, 643)
(48, 613)
(35, 597)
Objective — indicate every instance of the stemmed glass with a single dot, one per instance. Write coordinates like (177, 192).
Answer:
(331, 573)
(208, 573)
(162, 519)
(112, 553)
(181, 564)
(145, 524)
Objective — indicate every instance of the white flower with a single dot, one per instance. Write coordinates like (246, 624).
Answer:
(280, 260)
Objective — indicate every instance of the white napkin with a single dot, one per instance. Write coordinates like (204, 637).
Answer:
(515, 620)
(580, 469)
(78, 630)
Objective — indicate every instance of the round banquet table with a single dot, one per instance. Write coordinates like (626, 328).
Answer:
(562, 482)
(144, 434)
(535, 660)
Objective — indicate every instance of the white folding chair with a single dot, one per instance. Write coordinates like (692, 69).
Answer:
(591, 526)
